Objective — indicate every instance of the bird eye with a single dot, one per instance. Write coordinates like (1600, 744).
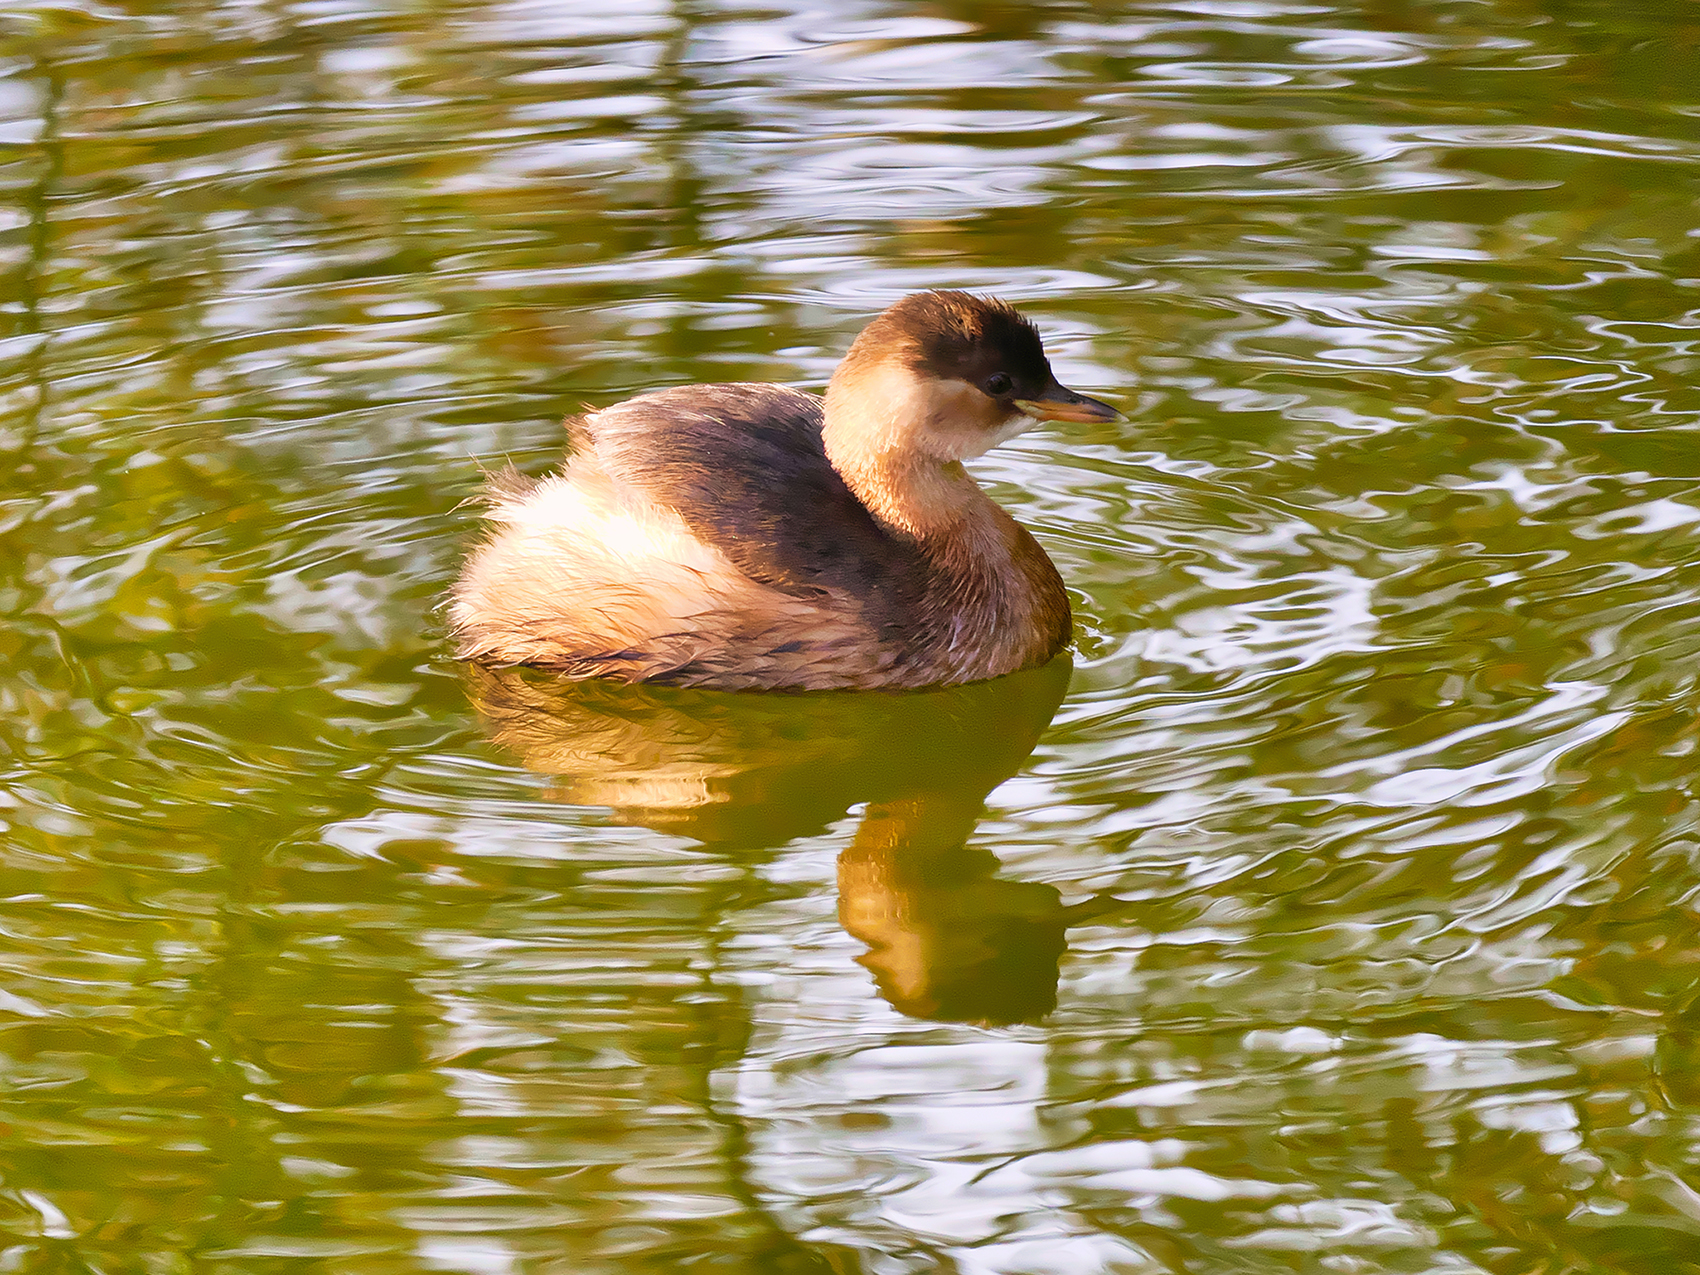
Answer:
(997, 383)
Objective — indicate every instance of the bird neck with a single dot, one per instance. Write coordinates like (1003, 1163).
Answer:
(915, 496)
(877, 421)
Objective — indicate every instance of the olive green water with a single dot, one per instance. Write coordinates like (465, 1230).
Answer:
(1342, 918)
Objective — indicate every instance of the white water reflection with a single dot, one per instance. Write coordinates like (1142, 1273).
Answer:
(1380, 741)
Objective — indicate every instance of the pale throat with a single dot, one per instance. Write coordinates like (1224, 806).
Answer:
(898, 443)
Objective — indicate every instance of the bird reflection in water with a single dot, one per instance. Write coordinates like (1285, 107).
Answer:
(947, 937)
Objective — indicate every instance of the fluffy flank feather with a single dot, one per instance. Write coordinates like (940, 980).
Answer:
(506, 486)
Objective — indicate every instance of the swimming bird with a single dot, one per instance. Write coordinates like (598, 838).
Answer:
(752, 536)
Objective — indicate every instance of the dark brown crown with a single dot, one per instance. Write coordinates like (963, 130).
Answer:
(956, 335)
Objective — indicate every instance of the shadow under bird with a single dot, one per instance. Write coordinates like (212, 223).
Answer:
(948, 936)
(754, 536)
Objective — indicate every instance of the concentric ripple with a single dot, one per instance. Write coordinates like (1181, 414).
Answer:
(1340, 915)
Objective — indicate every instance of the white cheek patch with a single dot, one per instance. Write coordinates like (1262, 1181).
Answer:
(982, 441)
(889, 409)
(968, 422)
(1020, 423)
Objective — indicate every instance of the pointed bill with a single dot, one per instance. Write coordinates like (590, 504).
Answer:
(1059, 403)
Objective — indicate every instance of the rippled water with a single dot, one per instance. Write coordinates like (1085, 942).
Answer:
(1341, 920)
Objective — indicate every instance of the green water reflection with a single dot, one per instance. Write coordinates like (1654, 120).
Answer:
(947, 937)
(1340, 919)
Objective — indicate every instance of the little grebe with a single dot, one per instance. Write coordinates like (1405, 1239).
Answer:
(745, 536)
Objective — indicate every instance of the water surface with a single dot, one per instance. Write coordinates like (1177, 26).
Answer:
(1341, 918)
